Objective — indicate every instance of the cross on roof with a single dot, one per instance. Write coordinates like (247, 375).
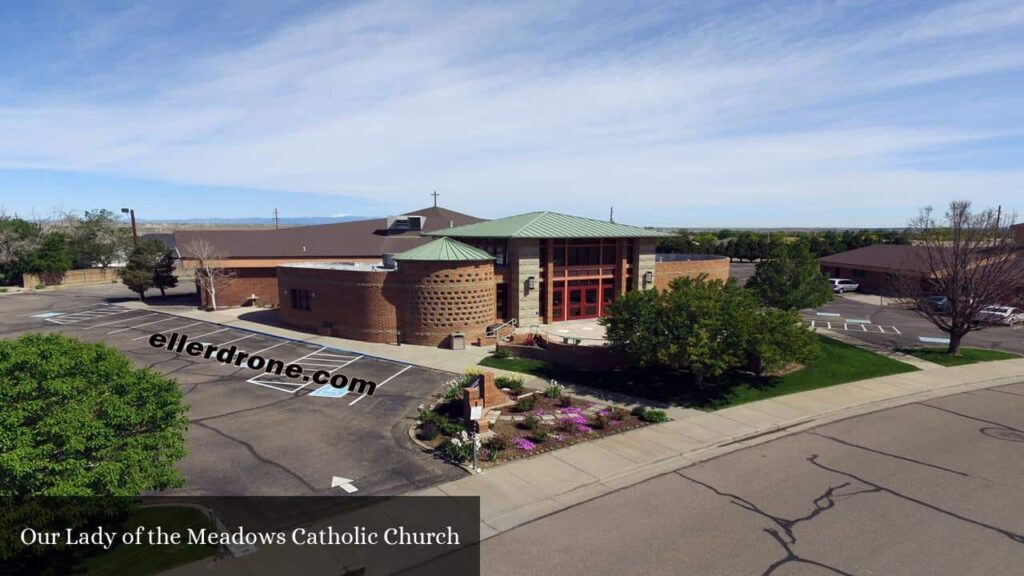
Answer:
(435, 195)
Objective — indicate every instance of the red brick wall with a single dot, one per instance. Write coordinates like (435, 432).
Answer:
(442, 297)
(427, 301)
(666, 272)
(246, 282)
(355, 304)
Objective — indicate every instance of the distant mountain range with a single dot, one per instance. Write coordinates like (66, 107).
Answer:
(296, 221)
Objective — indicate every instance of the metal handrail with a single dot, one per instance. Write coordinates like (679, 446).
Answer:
(496, 333)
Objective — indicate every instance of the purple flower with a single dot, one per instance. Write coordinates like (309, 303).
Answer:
(570, 410)
(604, 412)
(539, 412)
(559, 437)
(583, 428)
(574, 419)
(524, 444)
(615, 423)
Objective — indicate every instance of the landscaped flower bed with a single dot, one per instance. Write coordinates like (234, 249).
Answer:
(538, 422)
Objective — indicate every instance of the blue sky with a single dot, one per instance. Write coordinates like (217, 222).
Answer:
(685, 114)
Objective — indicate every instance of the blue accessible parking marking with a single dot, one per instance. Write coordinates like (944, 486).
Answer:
(328, 391)
(933, 340)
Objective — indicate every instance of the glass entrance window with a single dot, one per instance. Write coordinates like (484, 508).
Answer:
(575, 303)
(558, 304)
(590, 302)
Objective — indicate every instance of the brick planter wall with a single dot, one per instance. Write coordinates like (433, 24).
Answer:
(247, 281)
(716, 268)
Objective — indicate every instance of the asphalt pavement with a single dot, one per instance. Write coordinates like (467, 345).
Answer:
(935, 487)
(893, 327)
(253, 433)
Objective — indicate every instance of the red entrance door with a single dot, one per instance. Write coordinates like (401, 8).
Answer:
(582, 302)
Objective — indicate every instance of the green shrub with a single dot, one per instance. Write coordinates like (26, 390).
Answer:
(530, 422)
(453, 390)
(458, 449)
(654, 416)
(554, 390)
(513, 383)
(429, 430)
(427, 415)
(452, 428)
(525, 404)
(498, 442)
(467, 378)
(3, 290)
(40, 286)
(638, 411)
(502, 354)
(540, 436)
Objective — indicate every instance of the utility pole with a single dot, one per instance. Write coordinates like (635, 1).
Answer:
(999, 215)
(135, 231)
(276, 221)
(435, 195)
(611, 214)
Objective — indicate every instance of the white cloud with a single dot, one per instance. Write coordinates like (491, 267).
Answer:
(557, 105)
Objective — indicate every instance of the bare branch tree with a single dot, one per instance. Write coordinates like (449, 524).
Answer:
(210, 275)
(970, 258)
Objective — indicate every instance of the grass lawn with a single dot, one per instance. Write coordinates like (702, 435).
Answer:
(967, 355)
(839, 363)
(143, 560)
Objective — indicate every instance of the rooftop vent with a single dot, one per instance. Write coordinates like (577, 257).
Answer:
(387, 261)
(405, 223)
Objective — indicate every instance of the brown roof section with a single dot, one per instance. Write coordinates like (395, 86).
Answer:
(884, 257)
(367, 238)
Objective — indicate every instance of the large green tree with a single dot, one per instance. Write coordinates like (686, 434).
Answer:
(78, 419)
(99, 238)
(147, 265)
(163, 273)
(790, 279)
(706, 327)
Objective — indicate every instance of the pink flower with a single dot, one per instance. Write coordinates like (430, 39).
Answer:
(524, 444)
(570, 410)
(583, 428)
(615, 423)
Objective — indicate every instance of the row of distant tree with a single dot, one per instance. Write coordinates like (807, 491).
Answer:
(751, 246)
(51, 247)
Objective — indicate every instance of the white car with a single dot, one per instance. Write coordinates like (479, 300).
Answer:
(1005, 315)
(840, 285)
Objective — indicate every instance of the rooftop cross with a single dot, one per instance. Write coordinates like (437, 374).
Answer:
(435, 195)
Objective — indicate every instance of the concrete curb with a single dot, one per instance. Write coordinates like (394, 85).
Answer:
(556, 502)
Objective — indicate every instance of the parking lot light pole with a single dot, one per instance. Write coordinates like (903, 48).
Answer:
(135, 231)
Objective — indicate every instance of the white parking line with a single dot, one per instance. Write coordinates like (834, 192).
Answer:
(269, 348)
(236, 340)
(93, 305)
(123, 320)
(141, 325)
(381, 384)
(208, 333)
(166, 331)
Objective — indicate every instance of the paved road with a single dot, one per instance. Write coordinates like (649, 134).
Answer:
(253, 433)
(928, 488)
(893, 327)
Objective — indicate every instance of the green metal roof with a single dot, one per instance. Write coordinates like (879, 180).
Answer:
(547, 225)
(444, 249)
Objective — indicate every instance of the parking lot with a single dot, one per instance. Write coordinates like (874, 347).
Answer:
(896, 327)
(257, 433)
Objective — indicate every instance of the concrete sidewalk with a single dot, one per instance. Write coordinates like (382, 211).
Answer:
(516, 493)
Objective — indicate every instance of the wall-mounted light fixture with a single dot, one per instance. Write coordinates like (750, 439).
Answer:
(648, 278)
(531, 283)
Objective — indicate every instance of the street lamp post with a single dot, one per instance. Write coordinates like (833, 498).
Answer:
(135, 232)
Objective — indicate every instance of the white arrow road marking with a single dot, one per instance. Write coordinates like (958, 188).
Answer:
(344, 483)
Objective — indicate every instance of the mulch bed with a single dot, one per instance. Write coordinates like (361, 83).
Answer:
(558, 422)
